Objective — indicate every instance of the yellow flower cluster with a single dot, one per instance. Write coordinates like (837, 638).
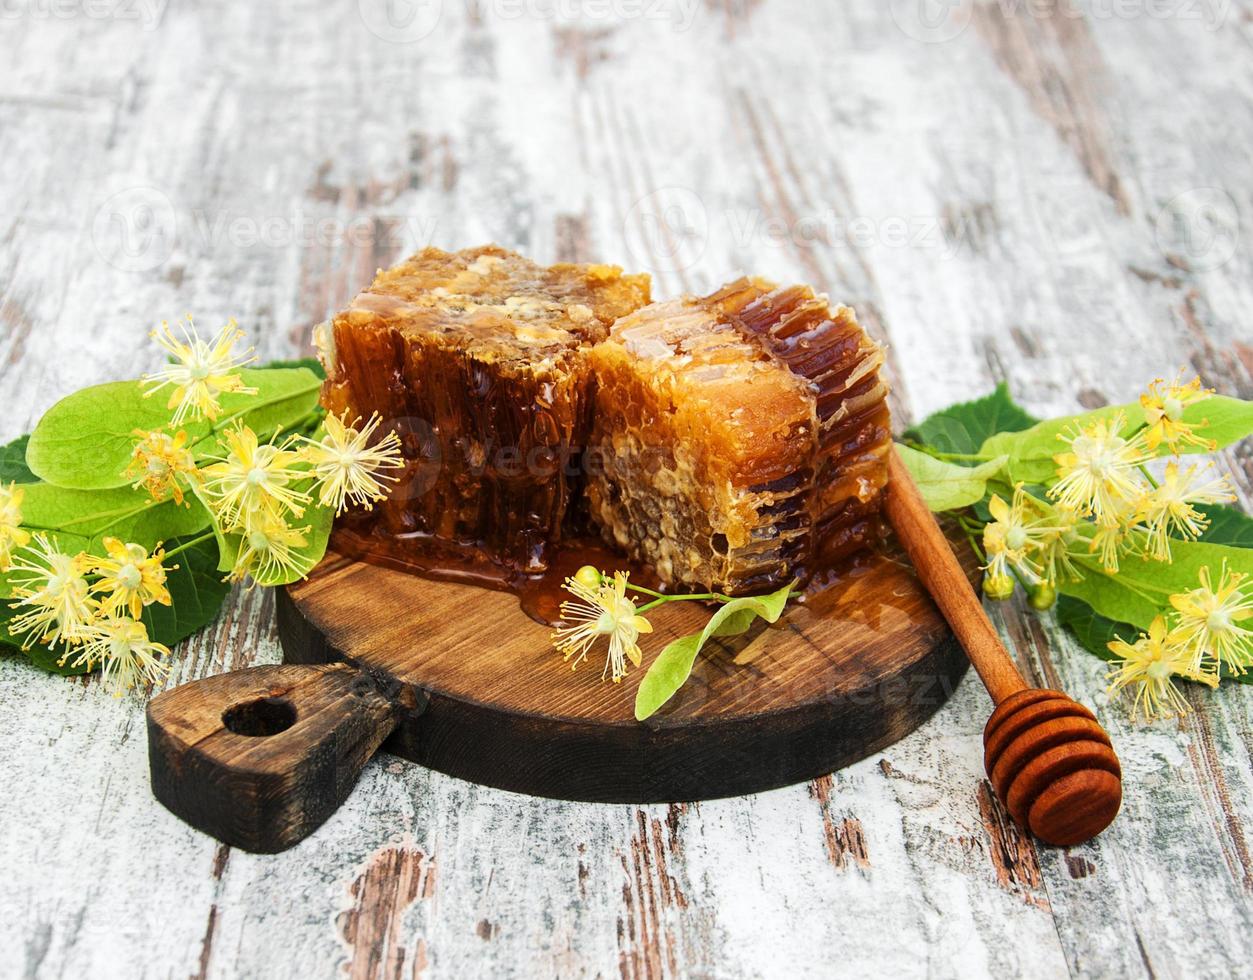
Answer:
(260, 490)
(601, 608)
(1103, 477)
(12, 536)
(255, 490)
(1028, 538)
(1200, 638)
(1104, 487)
(91, 605)
(199, 371)
(161, 463)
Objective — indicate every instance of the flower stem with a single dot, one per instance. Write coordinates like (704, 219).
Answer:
(639, 588)
(219, 425)
(972, 457)
(118, 515)
(678, 598)
(189, 544)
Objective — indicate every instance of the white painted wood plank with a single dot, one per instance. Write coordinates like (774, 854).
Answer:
(991, 204)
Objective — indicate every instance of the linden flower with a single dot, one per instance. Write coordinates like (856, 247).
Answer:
(158, 460)
(1098, 475)
(349, 469)
(1013, 536)
(12, 536)
(1163, 411)
(601, 610)
(130, 578)
(1115, 539)
(1171, 506)
(201, 371)
(1147, 666)
(1058, 541)
(53, 605)
(125, 654)
(254, 480)
(1208, 618)
(267, 551)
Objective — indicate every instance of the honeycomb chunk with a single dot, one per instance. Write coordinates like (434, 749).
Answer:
(479, 359)
(740, 439)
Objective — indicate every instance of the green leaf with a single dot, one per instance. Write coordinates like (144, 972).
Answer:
(1031, 451)
(1093, 631)
(1230, 420)
(285, 396)
(197, 591)
(48, 659)
(1141, 589)
(121, 512)
(13, 468)
(310, 363)
(965, 427)
(86, 439)
(316, 525)
(42, 657)
(1227, 526)
(674, 664)
(947, 486)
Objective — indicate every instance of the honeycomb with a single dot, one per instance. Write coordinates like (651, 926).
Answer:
(739, 440)
(479, 359)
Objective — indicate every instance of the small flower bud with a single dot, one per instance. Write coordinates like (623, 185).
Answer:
(998, 587)
(588, 576)
(1043, 597)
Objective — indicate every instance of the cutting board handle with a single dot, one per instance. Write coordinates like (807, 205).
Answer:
(259, 758)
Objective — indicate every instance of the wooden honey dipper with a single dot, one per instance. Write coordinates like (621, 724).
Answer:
(1049, 760)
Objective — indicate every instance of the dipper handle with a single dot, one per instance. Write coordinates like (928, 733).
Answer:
(1049, 760)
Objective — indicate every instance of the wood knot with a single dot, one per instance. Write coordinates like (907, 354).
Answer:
(1052, 765)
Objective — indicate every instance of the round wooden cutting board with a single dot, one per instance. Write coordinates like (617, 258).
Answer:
(488, 699)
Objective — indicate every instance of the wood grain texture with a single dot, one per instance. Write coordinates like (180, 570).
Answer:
(260, 757)
(943, 191)
(843, 674)
(1049, 760)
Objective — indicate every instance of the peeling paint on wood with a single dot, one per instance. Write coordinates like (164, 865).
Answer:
(395, 878)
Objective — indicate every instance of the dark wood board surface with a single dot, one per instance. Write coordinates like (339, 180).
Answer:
(848, 672)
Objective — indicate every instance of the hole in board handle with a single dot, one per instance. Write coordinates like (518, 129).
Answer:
(264, 716)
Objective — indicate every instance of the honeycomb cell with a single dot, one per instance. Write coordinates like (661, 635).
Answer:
(479, 359)
(739, 440)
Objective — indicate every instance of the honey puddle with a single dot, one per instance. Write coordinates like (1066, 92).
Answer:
(846, 591)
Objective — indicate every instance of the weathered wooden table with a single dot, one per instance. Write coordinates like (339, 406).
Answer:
(1056, 196)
